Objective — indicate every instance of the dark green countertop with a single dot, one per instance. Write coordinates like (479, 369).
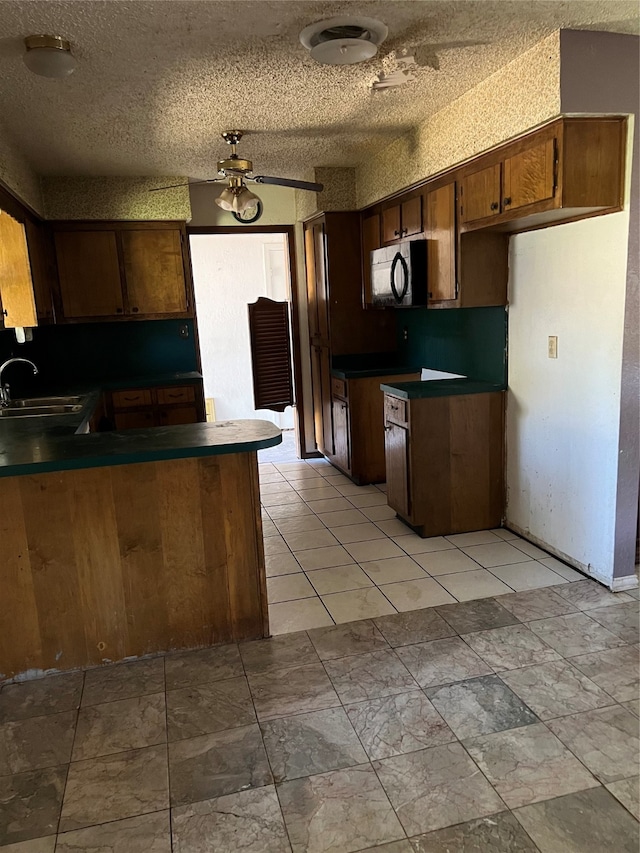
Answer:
(348, 373)
(440, 388)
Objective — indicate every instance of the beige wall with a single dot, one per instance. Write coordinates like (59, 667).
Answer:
(516, 98)
(279, 206)
(114, 198)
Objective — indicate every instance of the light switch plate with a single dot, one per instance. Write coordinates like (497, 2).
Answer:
(553, 346)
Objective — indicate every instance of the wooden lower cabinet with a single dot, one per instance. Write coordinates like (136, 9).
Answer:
(139, 408)
(358, 426)
(444, 461)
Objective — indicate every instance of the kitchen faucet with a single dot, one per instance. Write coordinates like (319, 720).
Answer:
(5, 396)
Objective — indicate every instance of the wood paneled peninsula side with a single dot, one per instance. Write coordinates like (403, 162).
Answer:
(117, 545)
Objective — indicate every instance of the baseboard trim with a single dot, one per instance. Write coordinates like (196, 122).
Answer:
(622, 584)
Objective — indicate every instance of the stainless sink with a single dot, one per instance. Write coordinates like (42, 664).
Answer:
(37, 407)
(31, 402)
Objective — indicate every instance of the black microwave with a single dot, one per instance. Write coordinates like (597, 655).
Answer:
(399, 274)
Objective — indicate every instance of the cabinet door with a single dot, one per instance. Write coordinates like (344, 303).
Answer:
(529, 177)
(341, 437)
(480, 194)
(178, 415)
(42, 262)
(322, 286)
(89, 273)
(397, 463)
(391, 228)
(16, 286)
(154, 271)
(370, 241)
(321, 386)
(441, 243)
(134, 420)
(412, 216)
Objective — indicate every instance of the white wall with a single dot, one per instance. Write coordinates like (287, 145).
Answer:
(229, 272)
(563, 414)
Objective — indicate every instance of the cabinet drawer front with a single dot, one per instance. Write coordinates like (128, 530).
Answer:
(395, 410)
(134, 420)
(178, 415)
(181, 394)
(133, 398)
(338, 388)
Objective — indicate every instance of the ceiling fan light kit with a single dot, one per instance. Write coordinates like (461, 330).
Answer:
(343, 41)
(49, 56)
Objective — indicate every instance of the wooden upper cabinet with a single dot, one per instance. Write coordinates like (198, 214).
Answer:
(42, 259)
(16, 286)
(370, 241)
(441, 243)
(391, 227)
(402, 220)
(529, 176)
(480, 194)
(154, 271)
(89, 273)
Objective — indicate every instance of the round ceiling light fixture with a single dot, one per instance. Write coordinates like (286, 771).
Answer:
(49, 56)
(344, 41)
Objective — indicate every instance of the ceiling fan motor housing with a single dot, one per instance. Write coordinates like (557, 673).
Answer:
(344, 41)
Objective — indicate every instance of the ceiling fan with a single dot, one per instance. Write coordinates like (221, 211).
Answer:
(236, 171)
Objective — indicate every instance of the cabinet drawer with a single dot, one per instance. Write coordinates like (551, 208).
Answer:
(131, 398)
(181, 394)
(395, 410)
(338, 388)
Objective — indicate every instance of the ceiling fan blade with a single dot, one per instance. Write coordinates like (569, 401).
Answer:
(288, 182)
(188, 184)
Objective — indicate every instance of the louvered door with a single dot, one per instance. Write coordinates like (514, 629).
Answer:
(271, 354)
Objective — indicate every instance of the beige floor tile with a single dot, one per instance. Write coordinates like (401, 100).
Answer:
(339, 579)
(562, 569)
(446, 562)
(529, 548)
(342, 518)
(337, 479)
(275, 488)
(310, 539)
(275, 545)
(268, 528)
(323, 558)
(359, 533)
(288, 510)
(530, 575)
(316, 482)
(288, 588)
(469, 585)
(266, 468)
(299, 525)
(495, 554)
(303, 473)
(414, 544)
(379, 513)
(357, 604)
(503, 533)
(289, 497)
(394, 527)
(330, 505)
(393, 570)
(272, 478)
(375, 498)
(477, 537)
(319, 493)
(352, 489)
(374, 549)
(298, 616)
(281, 564)
(411, 595)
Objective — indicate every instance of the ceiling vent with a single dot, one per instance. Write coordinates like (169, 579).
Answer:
(344, 41)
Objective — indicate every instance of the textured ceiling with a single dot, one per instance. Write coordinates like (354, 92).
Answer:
(157, 81)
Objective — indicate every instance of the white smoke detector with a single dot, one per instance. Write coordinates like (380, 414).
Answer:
(344, 41)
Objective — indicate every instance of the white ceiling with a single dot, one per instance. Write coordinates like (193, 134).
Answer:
(157, 81)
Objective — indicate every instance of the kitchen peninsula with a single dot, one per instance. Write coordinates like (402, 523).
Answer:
(116, 545)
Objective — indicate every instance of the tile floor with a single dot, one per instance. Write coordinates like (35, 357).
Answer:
(335, 552)
(483, 725)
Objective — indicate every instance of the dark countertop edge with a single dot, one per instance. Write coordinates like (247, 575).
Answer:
(441, 388)
(348, 373)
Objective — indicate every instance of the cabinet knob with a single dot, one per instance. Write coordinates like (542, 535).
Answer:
(494, 205)
(430, 295)
(405, 231)
(507, 201)
(396, 233)
(135, 310)
(4, 312)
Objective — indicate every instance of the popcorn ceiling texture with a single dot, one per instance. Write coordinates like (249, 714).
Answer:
(114, 198)
(519, 96)
(339, 192)
(18, 175)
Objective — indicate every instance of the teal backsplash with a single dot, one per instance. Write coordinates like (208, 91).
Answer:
(93, 351)
(471, 341)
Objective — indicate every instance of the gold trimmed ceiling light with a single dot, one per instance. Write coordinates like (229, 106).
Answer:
(49, 56)
(236, 197)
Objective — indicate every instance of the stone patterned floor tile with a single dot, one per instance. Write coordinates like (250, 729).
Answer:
(585, 822)
(528, 764)
(633, 706)
(605, 740)
(480, 706)
(247, 822)
(413, 626)
(634, 593)
(293, 616)
(442, 662)
(372, 675)
(261, 657)
(411, 595)
(40, 697)
(338, 812)
(30, 804)
(627, 792)
(481, 615)
(304, 688)
(436, 787)
(588, 595)
(217, 764)
(615, 670)
(555, 689)
(397, 724)
(120, 726)
(357, 604)
(574, 634)
(308, 744)
(536, 604)
(184, 669)
(500, 833)
(114, 787)
(392, 847)
(209, 708)
(36, 845)
(123, 681)
(352, 638)
(36, 742)
(511, 647)
(148, 833)
(623, 621)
